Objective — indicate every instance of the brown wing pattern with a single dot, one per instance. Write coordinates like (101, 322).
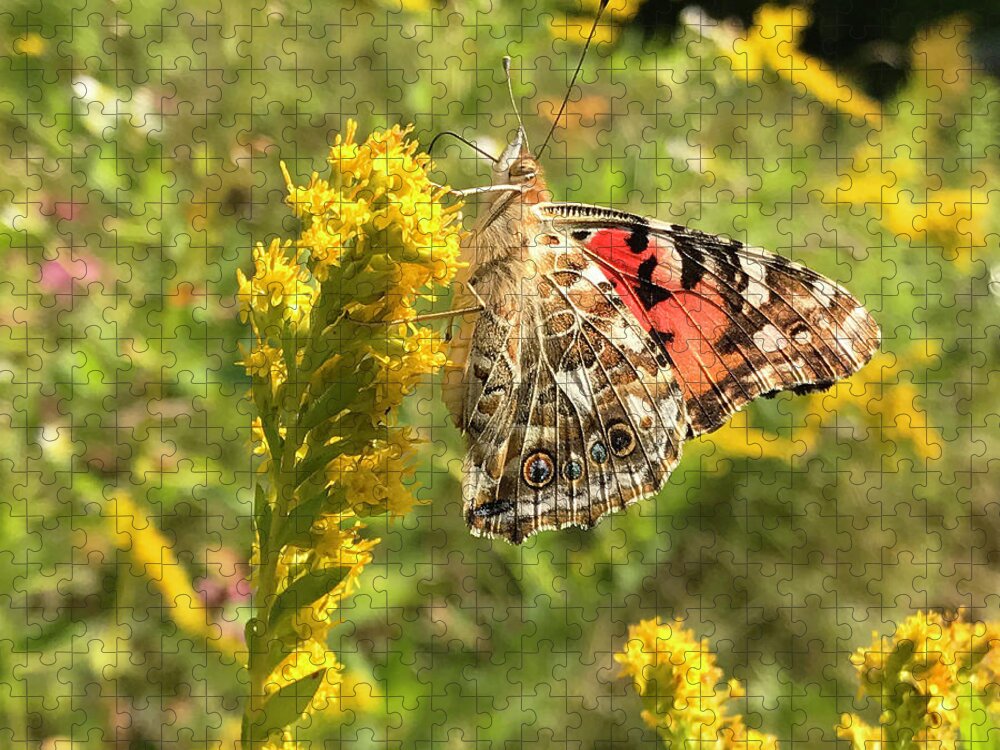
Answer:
(737, 322)
(571, 409)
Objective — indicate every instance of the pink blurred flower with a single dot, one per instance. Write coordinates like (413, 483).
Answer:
(66, 274)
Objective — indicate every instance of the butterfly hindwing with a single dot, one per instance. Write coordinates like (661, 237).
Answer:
(737, 322)
(571, 408)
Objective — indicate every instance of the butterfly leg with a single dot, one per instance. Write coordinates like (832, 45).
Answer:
(449, 314)
(478, 307)
(490, 189)
(484, 189)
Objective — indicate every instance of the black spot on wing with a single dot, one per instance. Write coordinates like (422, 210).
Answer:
(638, 240)
(692, 260)
(495, 508)
(822, 385)
(649, 294)
(663, 339)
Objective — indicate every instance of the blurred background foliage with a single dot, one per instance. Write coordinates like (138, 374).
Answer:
(141, 164)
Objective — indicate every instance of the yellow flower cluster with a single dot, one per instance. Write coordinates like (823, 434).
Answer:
(909, 176)
(278, 289)
(931, 679)
(336, 350)
(379, 193)
(683, 690)
(937, 681)
(772, 42)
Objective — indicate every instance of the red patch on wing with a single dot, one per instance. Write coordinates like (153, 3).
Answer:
(689, 323)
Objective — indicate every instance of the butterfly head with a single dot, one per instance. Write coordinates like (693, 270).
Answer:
(516, 165)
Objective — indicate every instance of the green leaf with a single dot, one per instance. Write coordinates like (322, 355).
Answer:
(275, 650)
(262, 516)
(339, 396)
(316, 461)
(303, 592)
(977, 723)
(296, 525)
(286, 706)
(272, 437)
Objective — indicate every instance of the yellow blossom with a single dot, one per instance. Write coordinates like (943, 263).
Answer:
(329, 312)
(31, 45)
(267, 363)
(278, 283)
(684, 692)
(921, 676)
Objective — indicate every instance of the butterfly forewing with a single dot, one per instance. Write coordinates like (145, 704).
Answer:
(737, 322)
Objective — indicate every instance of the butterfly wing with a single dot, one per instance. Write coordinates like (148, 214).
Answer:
(570, 407)
(736, 322)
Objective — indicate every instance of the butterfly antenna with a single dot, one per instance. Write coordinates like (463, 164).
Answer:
(579, 65)
(513, 104)
(466, 141)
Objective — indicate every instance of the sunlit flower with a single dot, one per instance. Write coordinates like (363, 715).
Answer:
(378, 192)
(377, 482)
(335, 354)
(773, 41)
(684, 692)
(266, 362)
(278, 283)
(923, 677)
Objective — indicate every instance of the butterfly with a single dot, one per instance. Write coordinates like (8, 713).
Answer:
(604, 340)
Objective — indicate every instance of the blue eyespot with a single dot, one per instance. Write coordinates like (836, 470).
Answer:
(572, 469)
(598, 452)
(538, 470)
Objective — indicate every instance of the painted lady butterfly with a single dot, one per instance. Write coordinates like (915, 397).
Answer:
(605, 340)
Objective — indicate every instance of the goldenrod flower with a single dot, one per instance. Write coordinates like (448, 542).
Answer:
(773, 41)
(31, 45)
(333, 358)
(684, 692)
(279, 283)
(267, 363)
(379, 191)
(924, 678)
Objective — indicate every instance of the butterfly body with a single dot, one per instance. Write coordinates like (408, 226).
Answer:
(607, 339)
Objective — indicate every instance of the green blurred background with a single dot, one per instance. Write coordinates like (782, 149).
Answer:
(140, 165)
